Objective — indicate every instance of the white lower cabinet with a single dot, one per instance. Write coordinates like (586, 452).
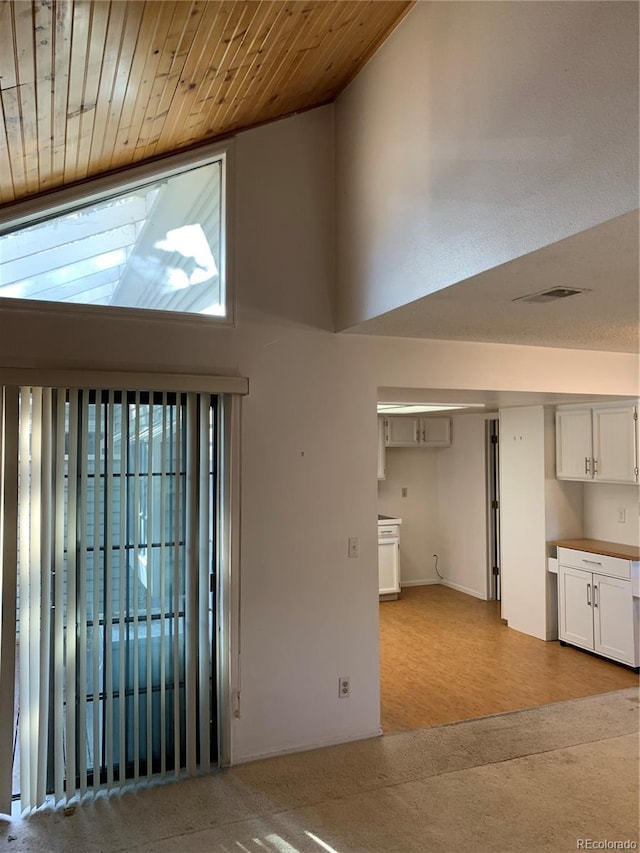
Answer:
(389, 567)
(389, 558)
(598, 612)
(575, 605)
(613, 629)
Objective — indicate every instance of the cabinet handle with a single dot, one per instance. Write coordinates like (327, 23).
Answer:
(424, 436)
(595, 595)
(595, 466)
(592, 562)
(587, 465)
(588, 596)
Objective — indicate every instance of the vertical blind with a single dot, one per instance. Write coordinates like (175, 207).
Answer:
(116, 555)
(8, 562)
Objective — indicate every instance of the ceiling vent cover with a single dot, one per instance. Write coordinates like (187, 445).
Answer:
(549, 295)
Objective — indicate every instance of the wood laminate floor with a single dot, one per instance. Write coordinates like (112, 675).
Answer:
(446, 656)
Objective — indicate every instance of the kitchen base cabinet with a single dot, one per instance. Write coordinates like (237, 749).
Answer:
(597, 611)
(575, 607)
(388, 557)
(388, 569)
(613, 618)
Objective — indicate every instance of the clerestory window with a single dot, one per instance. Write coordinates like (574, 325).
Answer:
(156, 245)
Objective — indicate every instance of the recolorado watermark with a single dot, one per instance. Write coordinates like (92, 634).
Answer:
(593, 844)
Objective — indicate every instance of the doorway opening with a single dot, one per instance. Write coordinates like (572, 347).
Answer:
(493, 507)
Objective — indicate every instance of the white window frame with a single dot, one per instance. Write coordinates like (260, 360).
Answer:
(45, 206)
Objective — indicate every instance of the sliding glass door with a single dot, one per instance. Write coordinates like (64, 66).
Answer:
(117, 554)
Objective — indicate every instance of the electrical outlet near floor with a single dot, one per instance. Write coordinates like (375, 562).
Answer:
(344, 687)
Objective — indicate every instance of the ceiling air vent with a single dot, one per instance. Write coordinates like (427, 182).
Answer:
(549, 295)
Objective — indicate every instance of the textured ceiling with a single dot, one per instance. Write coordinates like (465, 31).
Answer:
(602, 261)
(91, 86)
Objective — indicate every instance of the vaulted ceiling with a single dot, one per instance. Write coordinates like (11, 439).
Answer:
(91, 86)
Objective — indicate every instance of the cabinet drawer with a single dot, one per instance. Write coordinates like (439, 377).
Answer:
(388, 530)
(614, 567)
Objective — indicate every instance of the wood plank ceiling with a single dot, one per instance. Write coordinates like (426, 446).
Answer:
(88, 87)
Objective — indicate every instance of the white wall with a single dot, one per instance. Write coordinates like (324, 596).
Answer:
(413, 363)
(534, 508)
(480, 132)
(309, 614)
(462, 507)
(522, 516)
(416, 470)
(602, 501)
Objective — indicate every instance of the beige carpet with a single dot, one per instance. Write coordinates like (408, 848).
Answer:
(535, 780)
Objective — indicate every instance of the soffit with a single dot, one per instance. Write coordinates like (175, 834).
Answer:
(602, 261)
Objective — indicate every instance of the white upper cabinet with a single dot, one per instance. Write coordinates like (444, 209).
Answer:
(597, 443)
(573, 444)
(436, 432)
(403, 431)
(614, 444)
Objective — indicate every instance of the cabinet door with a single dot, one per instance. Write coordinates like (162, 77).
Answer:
(575, 597)
(573, 444)
(614, 440)
(381, 455)
(613, 618)
(402, 432)
(389, 567)
(435, 432)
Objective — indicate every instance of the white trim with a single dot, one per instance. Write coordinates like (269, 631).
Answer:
(466, 589)
(309, 745)
(430, 582)
(133, 380)
(137, 315)
(9, 442)
(229, 680)
(49, 205)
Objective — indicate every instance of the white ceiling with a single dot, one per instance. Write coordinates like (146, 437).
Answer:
(604, 261)
(491, 400)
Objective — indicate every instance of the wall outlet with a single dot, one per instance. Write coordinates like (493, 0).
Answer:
(354, 546)
(622, 515)
(405, 491)
(344, 687)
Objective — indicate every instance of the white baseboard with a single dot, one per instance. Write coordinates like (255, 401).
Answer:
(304, 747)
(420, 583)
(466, 589)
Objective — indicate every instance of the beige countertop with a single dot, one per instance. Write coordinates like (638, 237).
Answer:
(598, 546)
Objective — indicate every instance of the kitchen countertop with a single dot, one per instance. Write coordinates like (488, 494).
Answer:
(598, 546)
(389, 519)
